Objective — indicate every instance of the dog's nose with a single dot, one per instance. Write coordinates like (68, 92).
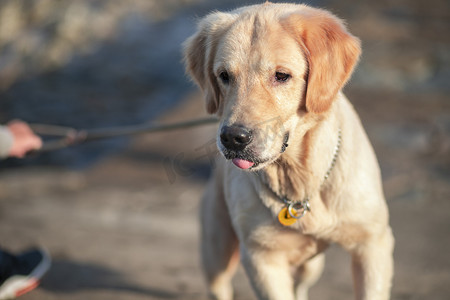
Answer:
(235, 137)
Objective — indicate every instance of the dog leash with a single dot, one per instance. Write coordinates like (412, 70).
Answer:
(63, 137)
(295, 210)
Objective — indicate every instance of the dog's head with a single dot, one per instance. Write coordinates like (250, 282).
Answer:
(263, 69)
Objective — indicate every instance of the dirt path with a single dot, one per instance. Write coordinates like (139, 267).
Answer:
(127, 228)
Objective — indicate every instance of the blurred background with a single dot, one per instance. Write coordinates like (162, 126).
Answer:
(119, 216)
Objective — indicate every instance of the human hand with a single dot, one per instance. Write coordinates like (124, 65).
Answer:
(24, 139)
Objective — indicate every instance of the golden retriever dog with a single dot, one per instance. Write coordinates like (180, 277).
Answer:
(298, 171)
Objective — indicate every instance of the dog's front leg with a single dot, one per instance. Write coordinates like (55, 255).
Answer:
(372, 266)
(269, 274)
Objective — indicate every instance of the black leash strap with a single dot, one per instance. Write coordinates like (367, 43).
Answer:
(67, 136)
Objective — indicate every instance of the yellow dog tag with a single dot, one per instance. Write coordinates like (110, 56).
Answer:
(285, 218)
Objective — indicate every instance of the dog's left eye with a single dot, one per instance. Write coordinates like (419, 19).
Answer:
(224, 77)
(282, 77)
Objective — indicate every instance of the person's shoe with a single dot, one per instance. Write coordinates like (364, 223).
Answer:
(24, 273)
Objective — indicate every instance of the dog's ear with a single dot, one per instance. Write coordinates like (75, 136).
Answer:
(199, 54)
(331, 52)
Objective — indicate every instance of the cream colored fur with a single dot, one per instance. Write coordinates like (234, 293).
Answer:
(239, 211)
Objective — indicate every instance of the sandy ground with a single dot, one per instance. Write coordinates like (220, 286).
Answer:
(127, 227)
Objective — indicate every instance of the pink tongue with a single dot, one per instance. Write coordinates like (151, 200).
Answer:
(241, 163)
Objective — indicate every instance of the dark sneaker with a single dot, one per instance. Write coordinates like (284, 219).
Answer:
(23, 272)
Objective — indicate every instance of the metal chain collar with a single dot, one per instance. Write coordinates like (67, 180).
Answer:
(297, 209)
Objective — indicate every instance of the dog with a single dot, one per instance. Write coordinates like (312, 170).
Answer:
(298, 171)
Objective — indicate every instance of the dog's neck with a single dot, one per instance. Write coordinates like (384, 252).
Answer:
(300, 171)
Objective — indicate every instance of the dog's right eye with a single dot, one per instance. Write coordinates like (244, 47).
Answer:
(224, 77)
(282, 77)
